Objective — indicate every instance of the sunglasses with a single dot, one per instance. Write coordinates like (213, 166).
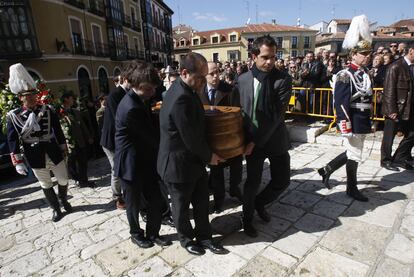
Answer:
(393, 45)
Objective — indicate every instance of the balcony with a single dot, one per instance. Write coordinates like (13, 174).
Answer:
(101, 50)
(135, 54)
(96, 7)
(77, 3)
(126, 20)
(88, 48)
(136, 25)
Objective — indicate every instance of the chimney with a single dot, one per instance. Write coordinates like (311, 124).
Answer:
(273, 21)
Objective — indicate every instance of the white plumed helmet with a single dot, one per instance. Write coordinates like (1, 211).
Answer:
(358, 37)
(20, 81)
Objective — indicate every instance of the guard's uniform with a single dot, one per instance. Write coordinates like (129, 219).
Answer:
(37, 134)
(353, 102)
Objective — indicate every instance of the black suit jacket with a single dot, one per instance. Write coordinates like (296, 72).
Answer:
(271, 136)
(136, 140)
(184, 151)
(108, 129)
(226, 95)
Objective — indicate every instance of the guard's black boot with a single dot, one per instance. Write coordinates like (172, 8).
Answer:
(63, 195)
(54, 204)
(351, 182)
(333, 165)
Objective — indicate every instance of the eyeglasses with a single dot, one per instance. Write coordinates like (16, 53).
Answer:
(393, 45)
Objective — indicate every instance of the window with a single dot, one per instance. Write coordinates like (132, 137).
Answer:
(215, 39)
(215, 57)
(306, 43)
(279, 54)
(294, 42)
(294, 53)
(16, 30)
(279, 42)
(103, 81)
(77, 42)
(196, 41)
(330, 30)
(233, 55)
(133, 18)
(182, 42)
(233, 38)
(97, 39)
(136, 44)
(126, 41)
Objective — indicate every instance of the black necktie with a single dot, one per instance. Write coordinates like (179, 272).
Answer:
(212, 96)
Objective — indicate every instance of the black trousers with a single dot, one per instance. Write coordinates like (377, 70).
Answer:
(405, 147)
(132, 192)
(78, 164)
(280, 180)
(165, 204)
(216, 178)
(182, 194)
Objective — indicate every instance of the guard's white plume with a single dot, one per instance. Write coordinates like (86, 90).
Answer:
(359, 29)
(20, 80)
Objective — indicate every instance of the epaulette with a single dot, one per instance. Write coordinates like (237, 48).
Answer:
(15, 111)
(343, 76)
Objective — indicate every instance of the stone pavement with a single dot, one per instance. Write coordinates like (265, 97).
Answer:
(313, 232)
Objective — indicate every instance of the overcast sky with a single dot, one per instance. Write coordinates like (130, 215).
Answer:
(215, 14)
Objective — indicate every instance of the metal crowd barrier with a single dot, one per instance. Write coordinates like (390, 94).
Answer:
(318, 102)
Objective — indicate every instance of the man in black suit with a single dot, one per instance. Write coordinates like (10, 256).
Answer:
(136, 147)
(184, 153)
(264, 95)
(219, 93)
(398, 109)
(108, 133)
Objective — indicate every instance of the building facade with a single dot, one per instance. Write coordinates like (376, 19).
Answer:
(234, 44)
(76, 45)
(291, 41)
(332, 39)
(157, 30)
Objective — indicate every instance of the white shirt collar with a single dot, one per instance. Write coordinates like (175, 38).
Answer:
(407, 61)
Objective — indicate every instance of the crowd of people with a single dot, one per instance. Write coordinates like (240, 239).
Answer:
(158, 160)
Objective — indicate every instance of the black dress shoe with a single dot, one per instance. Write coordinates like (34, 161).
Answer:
(142, 242)
(195, 249)
(161, 241)
(167, 220)
(213, 247)
(263, 214)
(57, 215)
(390, 166)
(249, 230)
(357, 195)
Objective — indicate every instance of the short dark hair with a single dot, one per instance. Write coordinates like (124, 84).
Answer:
(260, 41)
(173, 74)
(142, 72)
(116, 79)
(192, 62)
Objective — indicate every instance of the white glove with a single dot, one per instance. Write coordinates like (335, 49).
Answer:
(346, 128)
(21, 168)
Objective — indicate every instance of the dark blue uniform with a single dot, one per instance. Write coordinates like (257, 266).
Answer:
(359, 109)
(38, 143)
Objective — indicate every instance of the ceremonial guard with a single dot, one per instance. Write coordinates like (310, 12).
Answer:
(352, 102)
(34, 136)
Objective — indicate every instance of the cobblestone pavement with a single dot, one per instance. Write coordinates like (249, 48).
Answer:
(313, 232)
